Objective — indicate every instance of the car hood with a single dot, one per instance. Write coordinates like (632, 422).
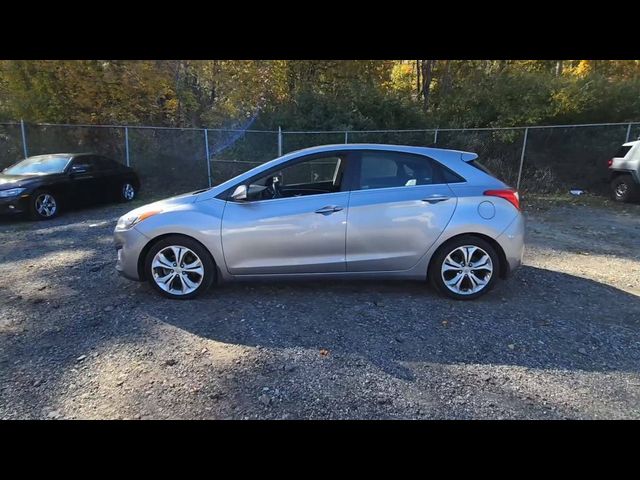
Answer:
(171, 203)
(13, 181)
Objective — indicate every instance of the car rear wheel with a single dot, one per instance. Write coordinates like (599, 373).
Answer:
(624, 189)
(464, 268)
(43, 205)
(127, 192)
(179, 267)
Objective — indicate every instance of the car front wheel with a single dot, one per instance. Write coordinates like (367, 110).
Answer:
(43, 205)
(465, 268)
(179, 267)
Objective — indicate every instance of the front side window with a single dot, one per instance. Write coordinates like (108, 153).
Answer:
(88, 162)
(394, 169)
(312, 177)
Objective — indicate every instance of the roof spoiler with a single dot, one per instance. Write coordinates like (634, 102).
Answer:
(467, 156)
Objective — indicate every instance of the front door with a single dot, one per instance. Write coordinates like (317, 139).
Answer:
(293, 221)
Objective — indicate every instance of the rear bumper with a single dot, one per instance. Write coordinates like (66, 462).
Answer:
(129, 245)
(512, 243)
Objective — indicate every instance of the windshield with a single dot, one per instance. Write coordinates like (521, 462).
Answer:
(39, 165)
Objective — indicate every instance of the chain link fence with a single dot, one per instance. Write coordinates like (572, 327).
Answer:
(173, 160)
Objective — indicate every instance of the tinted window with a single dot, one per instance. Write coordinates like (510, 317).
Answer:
(89, 160)
(105, 163)
(393, 169)
(622, 151)
(450, 177)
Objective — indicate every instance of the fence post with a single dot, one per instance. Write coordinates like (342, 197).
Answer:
(126, 145)
(206, 150)
(24, 139)
(346, 136)
(279, 141)
(435, 137)
(628, 133)
(524, 147)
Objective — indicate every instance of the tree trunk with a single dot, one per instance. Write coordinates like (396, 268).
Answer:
(419, 80)
(427, 78)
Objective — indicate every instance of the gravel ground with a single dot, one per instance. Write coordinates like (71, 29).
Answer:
(560, 339)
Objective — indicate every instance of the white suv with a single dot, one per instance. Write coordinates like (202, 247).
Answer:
(625, 172)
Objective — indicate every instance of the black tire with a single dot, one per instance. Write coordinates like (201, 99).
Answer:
(127, 192)
(435, 267)
(624, 188)
(36, 212)
(191, 244)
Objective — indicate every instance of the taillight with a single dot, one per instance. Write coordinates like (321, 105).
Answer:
(610, 162)
(509, 195)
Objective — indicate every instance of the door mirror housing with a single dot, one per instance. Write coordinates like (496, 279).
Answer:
(244, 193)
(240, 193)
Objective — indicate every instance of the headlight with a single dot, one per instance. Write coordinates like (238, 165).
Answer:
(12, 192)
(129, 221)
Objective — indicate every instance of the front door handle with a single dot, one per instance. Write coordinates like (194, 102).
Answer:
(329, 209)
(435, 199)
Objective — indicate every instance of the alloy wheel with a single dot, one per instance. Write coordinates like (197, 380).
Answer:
(46, 205)
(128, 192)
(177, 270)
(467, 270)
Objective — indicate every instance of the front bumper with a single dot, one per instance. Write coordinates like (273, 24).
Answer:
(129, 245)
(11, 205)
(512, 242)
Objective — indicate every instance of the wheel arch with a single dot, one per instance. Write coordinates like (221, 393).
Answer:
(504, 264)
(145, 250)
(619, 173)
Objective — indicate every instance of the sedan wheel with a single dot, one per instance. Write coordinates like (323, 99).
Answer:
(465, 268)
(128, 192)
(44, 206)
(179, 267)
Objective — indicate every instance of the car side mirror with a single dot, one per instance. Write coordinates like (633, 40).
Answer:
(82, 168)
(240, 193)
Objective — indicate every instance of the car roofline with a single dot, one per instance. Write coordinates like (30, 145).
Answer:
(441, 154)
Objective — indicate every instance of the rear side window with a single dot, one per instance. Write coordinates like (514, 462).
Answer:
(622, 151)
(379, 169)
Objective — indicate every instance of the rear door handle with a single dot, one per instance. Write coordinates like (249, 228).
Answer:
(329, 209)
(435, 199)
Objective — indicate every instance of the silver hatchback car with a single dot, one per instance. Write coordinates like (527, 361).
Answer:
(350, 211)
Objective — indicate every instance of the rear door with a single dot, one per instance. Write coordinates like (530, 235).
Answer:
(398, 208)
